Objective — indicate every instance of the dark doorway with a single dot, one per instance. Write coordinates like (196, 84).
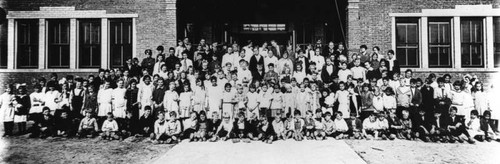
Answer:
(258, 39)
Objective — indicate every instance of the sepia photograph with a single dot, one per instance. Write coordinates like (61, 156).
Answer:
(250, 81)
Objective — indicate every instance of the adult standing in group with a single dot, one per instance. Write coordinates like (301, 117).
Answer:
(363, 54)
(149, 62)
(393, 63)
(276, 49)
(171, 60)
(328, 72)
(255, 60)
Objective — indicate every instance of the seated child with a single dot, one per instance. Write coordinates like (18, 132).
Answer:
(240, 128)
(355, 126)
(340, 126)
(44, 126)
(421, 126)
(202, 127)
(110, 128)
(173, 129)
(224, 129)
(215, 122)
(370, 127)
(253, 122)
(88, 126)
(128, 125)
(438, 128)
(266, 130)
(309, 125)
(190, 126)
(406, 123)
(383, 125)
(329, 125)
(486, 125)
(64, 125)
(298, 126)
(146, 122)
(473, 126)
(319, 126)
(456, 127)
(279, 126)
(395, 126)
(159, 134)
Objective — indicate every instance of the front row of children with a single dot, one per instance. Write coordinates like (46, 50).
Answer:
(318, 126)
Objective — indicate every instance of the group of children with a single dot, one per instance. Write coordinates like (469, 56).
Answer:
(174, 98)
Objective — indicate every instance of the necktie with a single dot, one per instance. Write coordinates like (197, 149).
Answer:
(184, 65)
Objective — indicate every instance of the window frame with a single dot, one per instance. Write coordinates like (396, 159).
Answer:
(122, 45)
(407, 21)
(33, 37)
(81, 46)
(4, 56)
(481, 45)
(440, 45)
(52, 46)
(496, 42)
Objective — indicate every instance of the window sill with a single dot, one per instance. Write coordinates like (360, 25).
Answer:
(48, 70)
(451, 70)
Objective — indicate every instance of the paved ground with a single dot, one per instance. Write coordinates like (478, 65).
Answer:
(280, 152)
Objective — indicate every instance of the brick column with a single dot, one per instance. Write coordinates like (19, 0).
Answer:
(353, 27)
(171, 29)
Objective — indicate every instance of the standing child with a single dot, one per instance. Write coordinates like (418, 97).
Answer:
(76, 99)
(389, 99)
(145, 94)
(52, 97)
(199, 96)
(228, 100)
(119, 102)
(37, 99)
(344, 72)
(131, 96)
(7, 110)
(253, 101)
(402, 98)
(241, 99)
(22, 109)
(276, 102)
(302, 100)
(170, 100)
(289, 100)
(315, 96)
(342, 97)
(461, 100)
(186, 101)
(265, 100)
(104, 98)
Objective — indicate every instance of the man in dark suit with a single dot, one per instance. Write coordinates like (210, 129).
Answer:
(133, 69)
(258, 75)
(302, 60)
(393, 63)
(328, 72)
(421, 126)
(276, 49)
(415, 98)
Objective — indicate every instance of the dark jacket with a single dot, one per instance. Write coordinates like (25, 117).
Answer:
(326, 77)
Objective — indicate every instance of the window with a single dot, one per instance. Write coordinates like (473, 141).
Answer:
(496, 41)
(27, 43)
(89, 44)
(471, 30)
(120, 41)
(3, 45)
(440, 43)
(407, 39)
(58, 43)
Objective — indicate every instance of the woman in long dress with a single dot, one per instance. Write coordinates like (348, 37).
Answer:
(199, 96)
(104, 101)
(7, 110)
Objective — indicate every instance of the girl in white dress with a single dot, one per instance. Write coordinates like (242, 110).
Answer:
(52, 98)
(159, 62)
(63, 99)
(171, 99)
(104, 97)
(227, 100)
(480, 98)
(119, 102)
(329, 101)
(7, 110)
(298, 74)
(303, 100)
(342, 96)
(461, 100)
(37, 99)
(199, 96)
(145, 94)
(185, 103)
(214, 94)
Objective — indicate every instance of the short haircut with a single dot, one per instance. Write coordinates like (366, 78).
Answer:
(363, 46)
(160, 48)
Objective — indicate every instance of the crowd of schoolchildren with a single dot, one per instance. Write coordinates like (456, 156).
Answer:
(248, 93)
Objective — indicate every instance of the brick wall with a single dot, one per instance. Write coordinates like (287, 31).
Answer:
(156, 24)
(369, 22)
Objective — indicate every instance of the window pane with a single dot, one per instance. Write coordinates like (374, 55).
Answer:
(120, 41)
(407, 40)
(90, 43)
(27, 43)
(472, 42)
(496, 43)
(58, 46)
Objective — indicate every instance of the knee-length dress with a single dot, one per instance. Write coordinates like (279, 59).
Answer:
(302, 101)
(343, 99)
(170, 102)
(6, 108)
(104, 98)
(185, 103)
(119, 102)
(199, 98)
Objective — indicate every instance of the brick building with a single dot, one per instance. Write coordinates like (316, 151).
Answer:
(79, 36)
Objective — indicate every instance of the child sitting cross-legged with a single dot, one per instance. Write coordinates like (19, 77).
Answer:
(240, 128)
(88, 126)
(224, 129)
(355, 127)
(266, 130)
(340, 126)
(370, 127)
(110, 128)
(319, 126)
(383, 126)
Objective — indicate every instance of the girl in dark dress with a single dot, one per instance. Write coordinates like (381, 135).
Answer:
(90, 100)
(131, 96)
(76, 99)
